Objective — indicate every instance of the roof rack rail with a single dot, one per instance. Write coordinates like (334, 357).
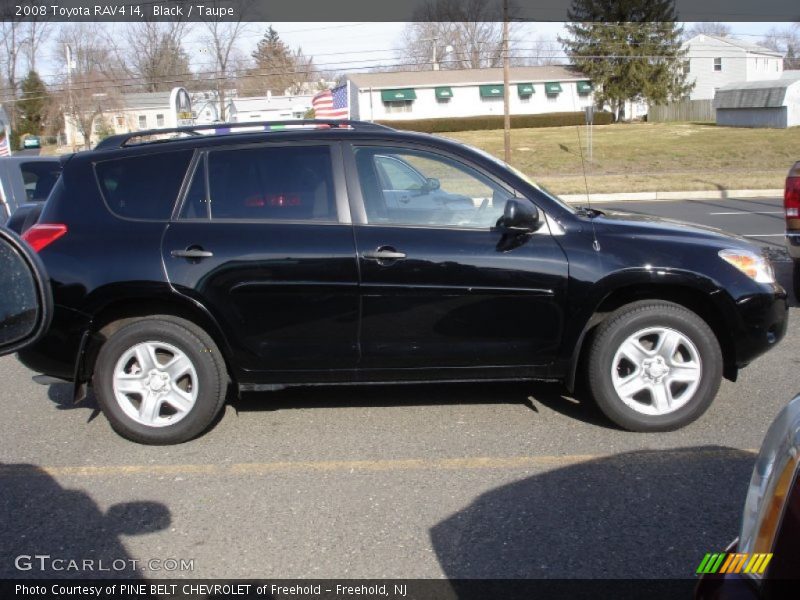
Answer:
(121, 140)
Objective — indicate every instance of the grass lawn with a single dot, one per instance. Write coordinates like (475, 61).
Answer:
(646, 157)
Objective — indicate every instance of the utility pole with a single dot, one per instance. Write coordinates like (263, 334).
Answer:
(506, 96)
(69, 95)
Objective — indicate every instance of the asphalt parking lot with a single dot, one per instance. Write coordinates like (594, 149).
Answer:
(474, 481)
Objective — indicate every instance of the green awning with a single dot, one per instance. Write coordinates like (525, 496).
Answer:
(444, 93)
(524, 89)
(398, 95)
(584, 87)
(552, 88)
(491, 91)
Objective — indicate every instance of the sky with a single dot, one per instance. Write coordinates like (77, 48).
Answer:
(349, 46)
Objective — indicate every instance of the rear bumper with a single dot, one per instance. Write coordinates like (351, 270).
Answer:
(57, 352)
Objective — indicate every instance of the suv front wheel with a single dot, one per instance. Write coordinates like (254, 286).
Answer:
(654, 366)
(160, 380)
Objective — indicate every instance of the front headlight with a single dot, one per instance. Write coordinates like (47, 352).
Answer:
(755, 266)
(771, 482)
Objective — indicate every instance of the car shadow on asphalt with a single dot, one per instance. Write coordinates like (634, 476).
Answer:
(533, 395)
(43, 518)
(644, 514)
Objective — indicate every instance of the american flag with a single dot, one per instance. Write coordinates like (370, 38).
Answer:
(5, 150)
(331, 104)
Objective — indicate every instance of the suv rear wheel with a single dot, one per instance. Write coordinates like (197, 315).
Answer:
(654, 366)
(160, 380)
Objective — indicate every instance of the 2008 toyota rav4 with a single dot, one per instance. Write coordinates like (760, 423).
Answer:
(352, 253)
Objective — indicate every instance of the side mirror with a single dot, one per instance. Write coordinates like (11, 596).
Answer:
(432, 184)
(26, 301)
(519, 215)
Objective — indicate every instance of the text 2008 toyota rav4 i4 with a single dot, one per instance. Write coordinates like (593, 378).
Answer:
(346, 252)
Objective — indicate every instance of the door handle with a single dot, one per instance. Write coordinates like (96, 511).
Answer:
(192, 253)
(383, 253)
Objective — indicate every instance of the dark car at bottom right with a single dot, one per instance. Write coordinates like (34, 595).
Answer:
(762, 562)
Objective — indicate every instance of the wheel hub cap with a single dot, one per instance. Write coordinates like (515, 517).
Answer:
(656, 371)
(655, 368)
(155, 383)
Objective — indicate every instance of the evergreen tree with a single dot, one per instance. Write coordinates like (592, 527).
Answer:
(277, 67)
(631, 50)
(32, 107)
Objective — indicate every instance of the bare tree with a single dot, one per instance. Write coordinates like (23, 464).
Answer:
(464, 34)
(540, 51)
(11, 39)
(36, 33)
(220, 39)
(151, 53)
(90, 84)
(709, 28)
(786, 41)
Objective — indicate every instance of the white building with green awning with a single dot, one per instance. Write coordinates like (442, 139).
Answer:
(465, 93)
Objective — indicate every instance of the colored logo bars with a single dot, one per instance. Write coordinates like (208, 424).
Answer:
(731, 562)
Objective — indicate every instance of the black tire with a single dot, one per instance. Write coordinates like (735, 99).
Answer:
(796, 279)
(205, 357)
(638, 316)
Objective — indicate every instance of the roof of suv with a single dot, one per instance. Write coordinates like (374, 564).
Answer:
(259, 128)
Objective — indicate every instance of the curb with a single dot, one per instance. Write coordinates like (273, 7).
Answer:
(668, 196)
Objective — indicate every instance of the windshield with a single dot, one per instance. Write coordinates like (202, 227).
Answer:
(519, 174)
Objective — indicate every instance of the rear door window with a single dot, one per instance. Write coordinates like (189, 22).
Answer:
(143, 187)
(286, 183)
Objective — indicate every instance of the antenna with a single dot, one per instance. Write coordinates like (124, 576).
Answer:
(595, 242)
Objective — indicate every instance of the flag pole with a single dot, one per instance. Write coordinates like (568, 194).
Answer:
(506, 109)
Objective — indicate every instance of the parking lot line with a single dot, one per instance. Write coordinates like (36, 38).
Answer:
(749, 212)
(352, 466)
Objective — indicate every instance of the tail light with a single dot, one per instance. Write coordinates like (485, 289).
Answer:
(40, 236)
(791, 198)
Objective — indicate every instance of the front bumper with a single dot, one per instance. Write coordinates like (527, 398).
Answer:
(761, 322)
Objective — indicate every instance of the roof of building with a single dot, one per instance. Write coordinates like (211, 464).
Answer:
(746, 46)
(146, 100)
(400, 79)
(254, 103)
(754, 94)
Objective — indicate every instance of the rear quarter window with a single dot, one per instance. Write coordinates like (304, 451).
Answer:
(39, 177)
(143, 187)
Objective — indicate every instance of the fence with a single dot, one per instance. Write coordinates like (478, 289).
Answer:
(683, 110)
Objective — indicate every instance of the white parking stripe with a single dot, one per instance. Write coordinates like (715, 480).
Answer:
(753, 212)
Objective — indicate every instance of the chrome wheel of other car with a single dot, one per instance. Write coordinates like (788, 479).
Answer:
(656, 370)
(155, 384)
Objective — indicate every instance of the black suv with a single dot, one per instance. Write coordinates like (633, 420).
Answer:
(322, 252)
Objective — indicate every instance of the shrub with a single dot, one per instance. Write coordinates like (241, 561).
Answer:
(496, 122)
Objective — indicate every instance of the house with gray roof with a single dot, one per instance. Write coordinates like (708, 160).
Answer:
(771, 103)
(713, 62)
(398, 95)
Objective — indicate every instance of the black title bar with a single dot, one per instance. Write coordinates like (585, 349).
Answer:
(388, 10)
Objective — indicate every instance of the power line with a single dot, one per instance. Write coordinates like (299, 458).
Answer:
(215, 76)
